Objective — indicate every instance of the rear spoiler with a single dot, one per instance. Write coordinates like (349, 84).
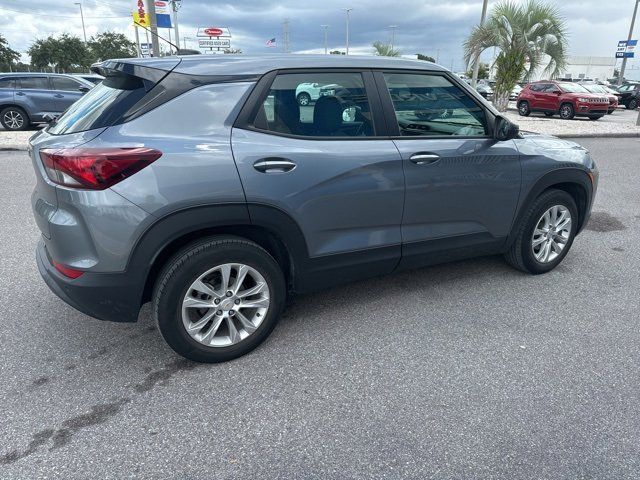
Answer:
(150, 70)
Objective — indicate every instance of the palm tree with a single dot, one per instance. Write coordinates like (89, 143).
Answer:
(533, 31)
(385, 50)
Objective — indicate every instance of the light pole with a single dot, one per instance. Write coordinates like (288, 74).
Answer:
(84, 32)
(176, 4)
(476, 60)
(393, 34)
(324, 27)
(348, 10)
(624, 59)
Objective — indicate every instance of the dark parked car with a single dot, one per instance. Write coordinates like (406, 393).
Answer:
(90, 77)
(244, 198)
(564, 98)
(630, 95)
(26, 98)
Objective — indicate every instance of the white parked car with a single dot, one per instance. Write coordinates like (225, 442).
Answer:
(515, 92)
(308, 92)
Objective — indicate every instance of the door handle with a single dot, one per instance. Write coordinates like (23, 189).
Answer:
(59, 95)
(274, 165)
(424, 158)
(20, 93)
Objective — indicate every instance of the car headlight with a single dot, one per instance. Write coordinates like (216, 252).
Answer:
(585, 100)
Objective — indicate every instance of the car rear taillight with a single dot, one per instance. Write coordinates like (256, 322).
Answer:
(69, 272)
(95, 168)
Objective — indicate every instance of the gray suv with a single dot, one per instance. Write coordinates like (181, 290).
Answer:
(27, 98)
(202, 185)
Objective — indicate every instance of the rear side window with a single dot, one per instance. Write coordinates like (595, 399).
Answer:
(317, 105)
(6, 82)
(430, 105)
(33, 83)
(65, 83)
(102, 106)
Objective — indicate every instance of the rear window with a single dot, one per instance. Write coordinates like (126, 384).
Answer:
(33, 83)
(103, 106)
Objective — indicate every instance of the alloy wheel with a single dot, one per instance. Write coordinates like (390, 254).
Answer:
(13, 119)
(565, 111)
(225, 305)
(551, 234)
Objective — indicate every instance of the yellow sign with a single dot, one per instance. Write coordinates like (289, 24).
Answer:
(140, 15)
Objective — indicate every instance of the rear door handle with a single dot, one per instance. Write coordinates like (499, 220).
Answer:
(424, 158)
(274, 165)
(58, 95)
(20, 93)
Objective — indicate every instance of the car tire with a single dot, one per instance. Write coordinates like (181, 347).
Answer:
(633, 104)
(523, 109)
(14, 119)
(522, 252)
(304, 99)
(176, 301)
(549, 114)
(567, 111)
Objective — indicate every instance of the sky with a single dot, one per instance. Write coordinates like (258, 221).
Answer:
(432, 27)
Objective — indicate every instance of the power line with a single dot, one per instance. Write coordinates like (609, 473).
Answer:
(39, 14)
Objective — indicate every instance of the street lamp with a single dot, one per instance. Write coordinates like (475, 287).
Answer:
(348, 10)
(84, 32)
(325, 38)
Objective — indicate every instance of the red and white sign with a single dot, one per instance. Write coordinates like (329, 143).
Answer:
(218, 32)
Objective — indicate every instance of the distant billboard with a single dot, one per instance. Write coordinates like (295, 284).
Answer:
(626, 48)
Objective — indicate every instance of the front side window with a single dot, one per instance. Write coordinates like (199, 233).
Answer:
(317, 105)
(66, 84)
(32, 83)
(430, 105)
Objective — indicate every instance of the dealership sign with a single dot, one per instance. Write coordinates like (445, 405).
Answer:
(214, 43)
(218, 32)
(140, 15)
(163, 13)
(626, 48)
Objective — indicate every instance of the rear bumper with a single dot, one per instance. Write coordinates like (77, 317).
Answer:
(114, 297)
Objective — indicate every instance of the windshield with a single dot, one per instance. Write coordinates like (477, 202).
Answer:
(595, 88)
(102, 106)
(572, 88)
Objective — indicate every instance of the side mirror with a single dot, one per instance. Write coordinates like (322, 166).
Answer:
(503, 129)
(84, 89)
(557, 92)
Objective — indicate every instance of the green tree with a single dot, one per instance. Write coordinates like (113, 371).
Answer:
(8, 56)
(531, 30)
(107, 45)
(426, 58)
(63, 54)
(483, 71)
(385, 49)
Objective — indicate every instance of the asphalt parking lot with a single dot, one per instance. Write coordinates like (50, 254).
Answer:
(465, 370)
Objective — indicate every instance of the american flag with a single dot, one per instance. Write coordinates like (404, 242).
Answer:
(271, 42)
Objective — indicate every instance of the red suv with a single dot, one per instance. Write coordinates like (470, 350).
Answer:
(565, 98)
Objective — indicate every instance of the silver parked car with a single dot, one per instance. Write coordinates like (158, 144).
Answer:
(27, 98)
(200, 185)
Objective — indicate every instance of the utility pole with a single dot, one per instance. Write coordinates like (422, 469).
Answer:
(624, 60)
(84, 32)
(324, 27)
(285, 35)
(153, 23)
(476, 60)
(135, 29)
(393, 34)
(175, 4)
(348, 10)
(438, 56)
